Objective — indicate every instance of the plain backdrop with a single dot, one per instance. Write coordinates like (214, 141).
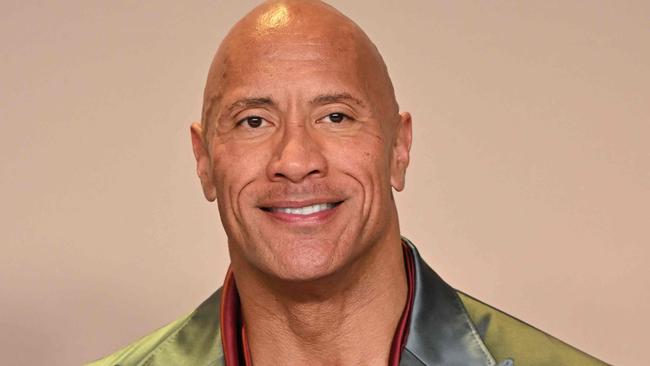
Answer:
(529, 186)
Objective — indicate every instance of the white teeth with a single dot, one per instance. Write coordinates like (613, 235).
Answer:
(307, 210)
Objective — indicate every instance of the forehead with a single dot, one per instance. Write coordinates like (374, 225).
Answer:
(291, 63)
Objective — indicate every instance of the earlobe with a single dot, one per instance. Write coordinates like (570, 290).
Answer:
(203, 165)
(401, 151)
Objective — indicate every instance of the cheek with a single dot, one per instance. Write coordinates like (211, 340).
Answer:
(234, 166)
(363, 157)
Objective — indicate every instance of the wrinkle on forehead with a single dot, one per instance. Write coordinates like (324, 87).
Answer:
(295, 31)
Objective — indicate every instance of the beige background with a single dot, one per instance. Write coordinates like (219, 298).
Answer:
(529, 188)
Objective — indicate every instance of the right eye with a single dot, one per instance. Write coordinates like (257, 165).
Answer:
(252, 122)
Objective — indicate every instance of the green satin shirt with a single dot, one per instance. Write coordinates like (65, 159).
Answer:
(447, 328)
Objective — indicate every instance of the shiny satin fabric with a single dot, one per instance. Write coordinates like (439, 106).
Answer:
(441, 331)
(447, 328)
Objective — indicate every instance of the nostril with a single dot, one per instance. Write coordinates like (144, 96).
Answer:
(285, 176)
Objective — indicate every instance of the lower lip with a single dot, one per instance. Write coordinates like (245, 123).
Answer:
(316, 217)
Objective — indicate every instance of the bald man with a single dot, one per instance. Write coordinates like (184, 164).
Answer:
(301, 144)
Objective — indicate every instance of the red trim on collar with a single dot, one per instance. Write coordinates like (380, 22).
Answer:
(233, 332)
(401, 333)
(230, 320)
(248, 360)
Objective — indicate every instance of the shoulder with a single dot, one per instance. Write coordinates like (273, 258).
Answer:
(508, 337)
(138, 351)
(193, 339)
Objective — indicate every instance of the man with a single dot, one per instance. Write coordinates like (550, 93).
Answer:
(301, 144)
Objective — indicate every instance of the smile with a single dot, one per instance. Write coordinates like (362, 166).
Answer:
(293, 211)
(307, 210)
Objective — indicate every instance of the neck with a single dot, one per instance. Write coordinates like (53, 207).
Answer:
(347, 318)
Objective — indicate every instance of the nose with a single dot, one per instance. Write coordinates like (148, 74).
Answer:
(297, 156)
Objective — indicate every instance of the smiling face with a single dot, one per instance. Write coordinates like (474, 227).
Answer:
(301, 142)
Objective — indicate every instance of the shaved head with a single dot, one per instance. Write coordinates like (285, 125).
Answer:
(299, 31)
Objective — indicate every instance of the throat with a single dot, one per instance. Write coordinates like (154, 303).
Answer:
(367, 324)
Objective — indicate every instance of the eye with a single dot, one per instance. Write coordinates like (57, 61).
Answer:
(252, 121)
(335, 117)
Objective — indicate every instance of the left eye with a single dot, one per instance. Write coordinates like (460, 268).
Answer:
(336, 117)
(252, 122)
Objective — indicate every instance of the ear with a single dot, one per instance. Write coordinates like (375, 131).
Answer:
(203, 163)
(401, 151)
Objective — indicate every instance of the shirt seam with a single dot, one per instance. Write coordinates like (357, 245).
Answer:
(415, 356)
(477, 337)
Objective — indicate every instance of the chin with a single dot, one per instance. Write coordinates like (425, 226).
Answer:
(306, 260)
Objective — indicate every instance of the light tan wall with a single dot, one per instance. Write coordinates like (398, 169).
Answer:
(529, 188)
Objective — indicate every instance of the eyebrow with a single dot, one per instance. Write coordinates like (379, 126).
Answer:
(255, 102)
(337, 97)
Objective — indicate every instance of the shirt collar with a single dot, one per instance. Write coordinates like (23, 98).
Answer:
(441, 332)
(434, 328)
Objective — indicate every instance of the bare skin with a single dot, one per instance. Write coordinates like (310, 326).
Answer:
(301, 144)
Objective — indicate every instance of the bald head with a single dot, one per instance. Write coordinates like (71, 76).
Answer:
(295, 34)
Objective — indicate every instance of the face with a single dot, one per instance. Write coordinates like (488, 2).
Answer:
(300, 152)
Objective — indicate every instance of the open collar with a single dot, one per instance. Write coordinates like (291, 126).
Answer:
(440, 332)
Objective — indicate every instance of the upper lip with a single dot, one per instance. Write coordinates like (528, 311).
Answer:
(298, 203)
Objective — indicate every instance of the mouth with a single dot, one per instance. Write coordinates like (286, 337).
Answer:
(305, 210)
(295, 211)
